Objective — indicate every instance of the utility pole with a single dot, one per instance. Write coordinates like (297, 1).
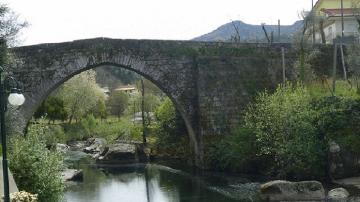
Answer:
(334, 69)
(313, 20)
(283, 64)
(279, 31)
(342, 20)
(142, 111)
(342, 40)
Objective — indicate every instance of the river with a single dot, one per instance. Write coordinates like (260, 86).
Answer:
(151, 183)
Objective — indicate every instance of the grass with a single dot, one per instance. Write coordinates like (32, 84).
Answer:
(343, 88)
(111, 129)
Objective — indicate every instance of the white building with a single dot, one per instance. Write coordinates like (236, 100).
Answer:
(333, 25)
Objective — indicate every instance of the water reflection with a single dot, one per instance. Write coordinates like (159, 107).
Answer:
(139, 183)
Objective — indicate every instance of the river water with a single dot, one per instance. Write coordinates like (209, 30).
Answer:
(150, 183)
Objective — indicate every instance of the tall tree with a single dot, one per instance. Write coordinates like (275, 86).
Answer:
(99, 110)
(117, 103)
(10, 25)
(81, 94)
(52, 108)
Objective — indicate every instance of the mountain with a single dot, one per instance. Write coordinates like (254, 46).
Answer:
(251, 33)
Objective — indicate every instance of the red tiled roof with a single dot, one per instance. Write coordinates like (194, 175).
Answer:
(337, 12)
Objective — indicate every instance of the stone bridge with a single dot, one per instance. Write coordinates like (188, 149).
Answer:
(210, 83)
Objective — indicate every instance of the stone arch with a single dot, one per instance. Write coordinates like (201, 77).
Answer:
(50, 66)
(174, 101)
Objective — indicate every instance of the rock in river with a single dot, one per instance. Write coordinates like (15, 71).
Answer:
(62, 147)
(292, 191)
(338, 195)
(120, 153)
(95, 146)
(72, 175)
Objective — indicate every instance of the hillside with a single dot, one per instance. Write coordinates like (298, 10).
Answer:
(250, 33)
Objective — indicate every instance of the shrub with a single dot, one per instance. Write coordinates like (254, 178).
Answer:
(170, 130)
(236, 152)
(285, 127)
(88, 124)
(35, 168)
(339, 119)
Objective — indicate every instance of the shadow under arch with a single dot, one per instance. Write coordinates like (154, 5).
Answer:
(178, 106)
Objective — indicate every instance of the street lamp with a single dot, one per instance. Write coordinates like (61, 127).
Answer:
(9, 91)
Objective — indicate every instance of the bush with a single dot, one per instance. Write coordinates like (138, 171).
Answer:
(236, 152)
(285, 127)
(170, 130)
(286, 133)
(339, 119)
(88, 124)
(35, 168)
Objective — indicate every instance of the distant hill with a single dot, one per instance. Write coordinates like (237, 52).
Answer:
(250, 33)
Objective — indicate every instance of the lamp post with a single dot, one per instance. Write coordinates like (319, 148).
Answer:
(8, 92)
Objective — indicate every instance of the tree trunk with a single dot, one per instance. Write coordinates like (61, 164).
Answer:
(70, 118)
(302, 64)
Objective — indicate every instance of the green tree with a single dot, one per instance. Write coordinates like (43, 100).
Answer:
(52, 108)
(170, 130)
(81, 94)
(118, 102)
(100, 109)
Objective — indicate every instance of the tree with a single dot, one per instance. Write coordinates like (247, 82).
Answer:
(9, 29)
(10, 25)
(100, 109)
(151, 102)
(118, 102)
(52, 108)
(81, 95)
(235, 37)
(170, 129)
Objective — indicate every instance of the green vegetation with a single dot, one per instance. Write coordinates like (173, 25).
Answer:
(236, 152)
(54, 108)
(170, 132)
(35, 168)
(118, 102)
(112, 129)
(286, 133)
(283, 123)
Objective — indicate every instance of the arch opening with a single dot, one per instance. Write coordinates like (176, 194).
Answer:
(179, 110)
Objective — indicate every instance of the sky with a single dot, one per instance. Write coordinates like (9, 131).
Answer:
(66, 20)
